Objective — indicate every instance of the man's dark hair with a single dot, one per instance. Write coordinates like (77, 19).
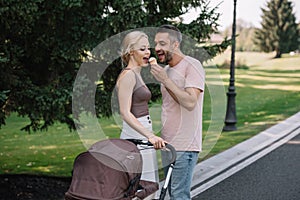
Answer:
(174, 32)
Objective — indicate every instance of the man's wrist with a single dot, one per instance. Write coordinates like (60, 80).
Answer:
(166, 81)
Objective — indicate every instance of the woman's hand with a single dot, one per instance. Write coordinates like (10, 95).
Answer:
(157, 142)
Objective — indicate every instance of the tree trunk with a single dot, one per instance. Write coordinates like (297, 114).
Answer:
(278, 54)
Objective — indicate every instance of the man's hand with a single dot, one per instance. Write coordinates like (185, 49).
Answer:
(159, 73)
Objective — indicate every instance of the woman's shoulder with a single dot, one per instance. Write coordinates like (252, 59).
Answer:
(127, 75)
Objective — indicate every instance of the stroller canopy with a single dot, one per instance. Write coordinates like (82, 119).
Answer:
(110, 169)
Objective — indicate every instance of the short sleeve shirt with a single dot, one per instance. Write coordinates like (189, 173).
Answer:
(183, 128)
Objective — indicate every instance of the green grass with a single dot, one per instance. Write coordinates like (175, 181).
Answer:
(49, 152)
(267, 93)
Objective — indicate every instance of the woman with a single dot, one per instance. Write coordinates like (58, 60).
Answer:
(133, 97)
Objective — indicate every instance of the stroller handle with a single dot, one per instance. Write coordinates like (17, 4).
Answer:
(145, 142)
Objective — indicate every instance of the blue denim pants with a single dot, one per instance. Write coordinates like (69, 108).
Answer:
(181, 179)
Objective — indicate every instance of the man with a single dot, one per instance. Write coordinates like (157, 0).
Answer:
(182, 87)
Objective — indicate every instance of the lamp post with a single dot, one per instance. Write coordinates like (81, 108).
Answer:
(230, 119)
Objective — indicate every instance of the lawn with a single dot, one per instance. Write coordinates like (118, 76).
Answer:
(268, 91)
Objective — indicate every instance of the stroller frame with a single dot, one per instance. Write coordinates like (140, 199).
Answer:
(172, 163)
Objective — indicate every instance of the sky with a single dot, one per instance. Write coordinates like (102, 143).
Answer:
(247, 10)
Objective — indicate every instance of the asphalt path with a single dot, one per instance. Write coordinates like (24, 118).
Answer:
(276, 176)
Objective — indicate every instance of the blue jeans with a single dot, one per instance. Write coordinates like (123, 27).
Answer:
(181, 179)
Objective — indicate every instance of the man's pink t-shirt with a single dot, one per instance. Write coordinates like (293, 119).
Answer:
(183, 128)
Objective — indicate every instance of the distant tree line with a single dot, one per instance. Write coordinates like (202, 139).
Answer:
(245, 35)
(279, 31)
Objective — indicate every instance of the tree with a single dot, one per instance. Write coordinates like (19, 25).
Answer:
(279, 29)
(43, 44)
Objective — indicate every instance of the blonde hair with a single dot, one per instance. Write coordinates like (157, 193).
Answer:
(128, 43)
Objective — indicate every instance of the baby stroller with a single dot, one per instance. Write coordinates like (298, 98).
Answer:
(111, 169)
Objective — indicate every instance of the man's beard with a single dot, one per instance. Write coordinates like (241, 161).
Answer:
(168, 57)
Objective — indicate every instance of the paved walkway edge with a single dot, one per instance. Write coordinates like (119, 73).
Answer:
(215, 169)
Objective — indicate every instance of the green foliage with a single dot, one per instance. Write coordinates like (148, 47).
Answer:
(201, 28)
(43, 44)
(279, 29)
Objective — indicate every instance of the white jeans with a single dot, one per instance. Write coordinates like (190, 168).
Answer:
(150, 166)
(130, 133)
